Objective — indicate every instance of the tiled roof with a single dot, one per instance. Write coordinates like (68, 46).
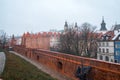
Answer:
(117, 27)
(116, 36)
(109, 35)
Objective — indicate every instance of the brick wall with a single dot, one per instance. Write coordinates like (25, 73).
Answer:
(68, 64)
(38, 40)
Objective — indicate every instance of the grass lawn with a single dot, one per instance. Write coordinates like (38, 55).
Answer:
(18, 69)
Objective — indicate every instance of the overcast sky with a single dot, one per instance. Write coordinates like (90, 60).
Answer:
(19, 16)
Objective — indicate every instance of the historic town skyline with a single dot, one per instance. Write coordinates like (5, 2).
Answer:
(19, 16)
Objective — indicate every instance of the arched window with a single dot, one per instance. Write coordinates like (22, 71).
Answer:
(101, 58)
(106, 58)
(107, 50)
(111, 60)
(103, 50)
(100, 50)
(116, 61)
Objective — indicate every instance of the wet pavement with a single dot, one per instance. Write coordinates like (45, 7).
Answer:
(2, 61)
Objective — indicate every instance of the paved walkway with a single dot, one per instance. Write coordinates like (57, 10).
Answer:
(43, 68)
(2, 61)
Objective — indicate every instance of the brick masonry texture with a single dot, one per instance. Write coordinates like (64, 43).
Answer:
(38, 41)
(68, 64)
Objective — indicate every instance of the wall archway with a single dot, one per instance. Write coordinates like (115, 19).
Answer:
(59, 65)
(38, 57)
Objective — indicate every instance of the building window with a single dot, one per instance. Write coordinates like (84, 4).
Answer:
(107, 44)
(101, 58)
(103, 50)
(103, 44)
(111, 60)
(116, 61)
(100, 50)
(117, 53)
(107, 50)
(119, 37)
(99, 44)
(106, 58)
(117, 45)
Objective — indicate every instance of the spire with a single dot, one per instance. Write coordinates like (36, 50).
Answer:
(65, 26)
(13, 36)
(103, 25)
(76, 25)
(103, 19)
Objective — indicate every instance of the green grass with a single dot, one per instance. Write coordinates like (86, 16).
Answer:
(18, 69)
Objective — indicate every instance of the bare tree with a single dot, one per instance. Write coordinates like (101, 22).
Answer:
(80, 41)
(3, 38)
(88, 39)
(66, 41)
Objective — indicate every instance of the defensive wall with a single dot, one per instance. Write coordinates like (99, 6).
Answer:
(68, 64)
(38, 40)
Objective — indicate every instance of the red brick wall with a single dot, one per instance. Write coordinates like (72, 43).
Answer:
(36, 41)
(100, 70)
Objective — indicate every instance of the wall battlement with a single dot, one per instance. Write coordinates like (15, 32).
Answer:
(68, 64)
(38, 40)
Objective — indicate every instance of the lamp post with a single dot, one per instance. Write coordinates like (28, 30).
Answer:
(82, 71)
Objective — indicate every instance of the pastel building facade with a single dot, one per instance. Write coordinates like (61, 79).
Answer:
(106, 47)
(109, 45)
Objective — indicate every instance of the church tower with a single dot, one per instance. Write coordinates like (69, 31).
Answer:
(103, 25)
(65, 26)
(76, 26)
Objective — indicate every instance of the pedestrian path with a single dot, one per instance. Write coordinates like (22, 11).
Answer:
(2, 61)
(43, 68)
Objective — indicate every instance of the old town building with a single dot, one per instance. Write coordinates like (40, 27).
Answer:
(108, 45)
